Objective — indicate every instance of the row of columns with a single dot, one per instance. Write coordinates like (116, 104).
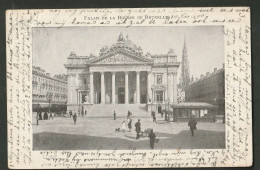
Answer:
(172, 88)
(114, 87)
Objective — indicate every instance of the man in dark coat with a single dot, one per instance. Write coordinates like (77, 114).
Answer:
(152, 138)
(130, 125)
(75, 118)
(153, 115)
(192, 124)
(37, 118)
(114, 115)
(138, 128)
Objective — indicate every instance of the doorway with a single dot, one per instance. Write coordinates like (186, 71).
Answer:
(159, 109)
(143, 98)
(121, 95)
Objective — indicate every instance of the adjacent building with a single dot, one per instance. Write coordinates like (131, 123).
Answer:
(48, 92)
(209, 88)
(121, 74)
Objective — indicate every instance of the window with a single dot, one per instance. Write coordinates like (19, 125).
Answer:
(159, 96)
(85, 81)
(159, 79)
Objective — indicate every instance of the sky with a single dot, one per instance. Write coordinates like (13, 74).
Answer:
(205, 44)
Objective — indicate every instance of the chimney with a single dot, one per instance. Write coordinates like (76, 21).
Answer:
(48, 74)
(215, 70)
(207, 74)
(201, 76)
(224, 65)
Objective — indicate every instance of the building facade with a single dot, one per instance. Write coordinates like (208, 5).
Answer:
(121, 74)
(210, 88)
(48, 91)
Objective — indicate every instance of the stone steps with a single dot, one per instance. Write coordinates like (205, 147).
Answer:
(107, 110)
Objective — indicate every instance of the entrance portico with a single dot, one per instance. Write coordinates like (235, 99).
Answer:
(122, 87)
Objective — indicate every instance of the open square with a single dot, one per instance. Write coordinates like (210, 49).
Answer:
(60, 133)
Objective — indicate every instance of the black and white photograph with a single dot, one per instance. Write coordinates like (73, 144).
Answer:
(125, 88)
(129, 88)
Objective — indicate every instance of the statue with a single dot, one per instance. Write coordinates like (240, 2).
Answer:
(86, 99)
(73, 54)
(104, 49)
(120, 38)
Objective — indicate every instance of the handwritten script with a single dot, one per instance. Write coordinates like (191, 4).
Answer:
(238, 117)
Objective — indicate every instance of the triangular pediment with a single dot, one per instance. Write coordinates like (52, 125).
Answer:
(120, 58)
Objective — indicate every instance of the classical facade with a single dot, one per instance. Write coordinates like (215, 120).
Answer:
(121, 74)
(48, 91)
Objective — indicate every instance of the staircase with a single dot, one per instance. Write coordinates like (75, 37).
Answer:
(107, 110)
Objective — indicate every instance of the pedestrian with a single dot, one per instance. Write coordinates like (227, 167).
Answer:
(85, 112)
(82, 113)
(193, 125)
(154, 118)
(38, 117)
(114, 115)
(129, 124)
(166, 115)
(45, 117)
(123, 127)
(128, 114)
(75, 118)
(138, 128)
(152, 137)
(51, 115)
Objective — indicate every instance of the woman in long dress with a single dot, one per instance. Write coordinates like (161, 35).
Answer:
(123, 127)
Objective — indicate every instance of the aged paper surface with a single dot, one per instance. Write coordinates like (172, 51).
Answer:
(238, 103)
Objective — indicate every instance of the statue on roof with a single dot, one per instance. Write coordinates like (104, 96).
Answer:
(171, 50)
(120, 38)
(103, 49)
(73, 54)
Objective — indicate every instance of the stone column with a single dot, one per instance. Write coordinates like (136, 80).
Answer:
(138, 87)
(126, 88)
(149, 86)
(174, 87)
(113, 87)
(77, 79)
(102, 87)
(169, 85)
(80, 97)
(91, 87)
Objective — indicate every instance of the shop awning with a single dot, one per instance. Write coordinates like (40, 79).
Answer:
(193, 105)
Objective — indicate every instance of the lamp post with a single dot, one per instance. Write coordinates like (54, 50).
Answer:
(49, 99)
(78, 99)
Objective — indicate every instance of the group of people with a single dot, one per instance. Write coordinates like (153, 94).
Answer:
(127, 123)
(79, 113)
(44, 116)
(138, 131)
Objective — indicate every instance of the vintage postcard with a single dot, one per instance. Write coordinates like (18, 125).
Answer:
(129, 88)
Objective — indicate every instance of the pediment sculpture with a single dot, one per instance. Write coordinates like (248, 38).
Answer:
(118, 59)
